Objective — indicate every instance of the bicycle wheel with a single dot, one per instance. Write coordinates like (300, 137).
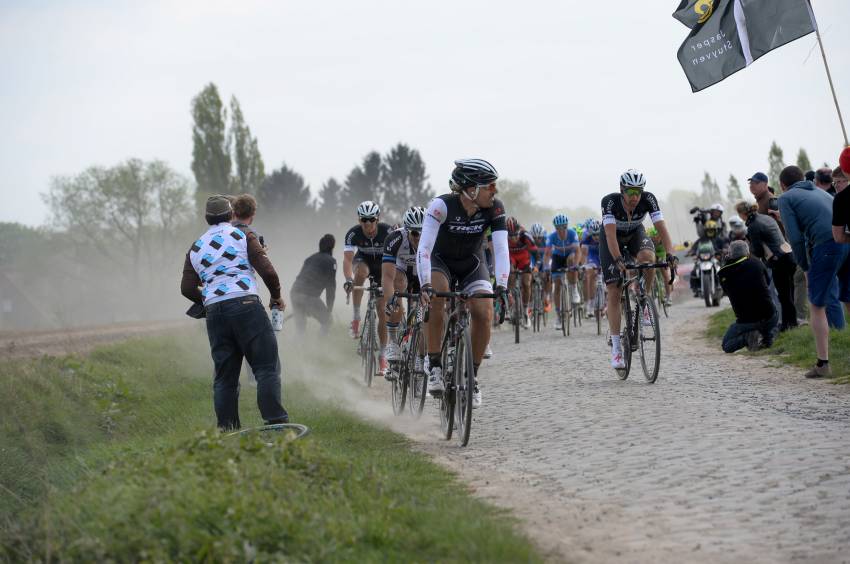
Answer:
(649, 335)
(625, 335)
(536, 307)
(517, 312)
(399, 369)
(564, 314)
(417, 382)
(464, 380)
(661, 292)
(369, 364)
(447, 404)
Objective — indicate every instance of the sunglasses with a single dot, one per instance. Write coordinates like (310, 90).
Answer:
(368, 219)
(632, 191)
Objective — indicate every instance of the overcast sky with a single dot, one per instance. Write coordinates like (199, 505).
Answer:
(562, 94)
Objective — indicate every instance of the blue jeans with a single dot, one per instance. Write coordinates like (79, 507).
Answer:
(239, 328)
(829, 280)
(736, 336)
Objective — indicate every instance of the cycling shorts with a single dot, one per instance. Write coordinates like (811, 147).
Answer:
(374, 267)
(631, 244)
(470, 273)
(521, 261)
(559, 262)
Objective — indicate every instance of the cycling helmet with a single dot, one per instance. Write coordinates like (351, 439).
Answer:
(717, 208)
(413, 217)
(560, 220)
(368, 209)
(593, 226)
(632, 179)
(469, 173)
(513, 225)
(537, 230)
(711, 228)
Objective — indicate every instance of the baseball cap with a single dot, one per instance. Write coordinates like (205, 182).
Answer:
(218, 205)
(844, 160)
(758, 177)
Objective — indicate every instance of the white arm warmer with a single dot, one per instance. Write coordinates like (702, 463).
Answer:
(430, 229)
(501, 257)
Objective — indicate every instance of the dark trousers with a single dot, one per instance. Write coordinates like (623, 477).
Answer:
(783, 269)
(239, 328)
(306, 306)
(736, 336)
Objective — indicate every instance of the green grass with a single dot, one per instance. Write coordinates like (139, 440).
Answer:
(795, 347)
(114, 457)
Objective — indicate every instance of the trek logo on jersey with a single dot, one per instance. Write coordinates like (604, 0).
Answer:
(217, 242)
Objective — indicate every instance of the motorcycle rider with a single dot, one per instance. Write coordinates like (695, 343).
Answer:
(719, 243)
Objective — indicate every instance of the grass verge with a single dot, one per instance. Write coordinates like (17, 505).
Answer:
(795, 347)
(113, 457)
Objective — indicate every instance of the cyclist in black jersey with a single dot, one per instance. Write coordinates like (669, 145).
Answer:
(362, 254)
(452, 249)
(623, 214)
(398, 272)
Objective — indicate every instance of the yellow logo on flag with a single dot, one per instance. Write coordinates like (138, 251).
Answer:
(704, 8)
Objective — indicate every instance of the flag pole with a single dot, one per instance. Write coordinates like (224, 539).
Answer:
(829, 77)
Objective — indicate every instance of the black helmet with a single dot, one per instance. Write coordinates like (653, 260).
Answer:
(469, 173)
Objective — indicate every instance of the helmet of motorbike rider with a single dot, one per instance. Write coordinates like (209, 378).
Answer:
(711, 228)
(716, 211)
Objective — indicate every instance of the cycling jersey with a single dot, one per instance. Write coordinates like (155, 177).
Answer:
(455, 240)
(592, 244)
(520, 249)
(614, 212)
(538, 255)
(399, 251)
(368, 250)
(560, 247)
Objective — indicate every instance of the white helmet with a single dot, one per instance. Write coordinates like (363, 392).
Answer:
(632, 179)
(413, 217)
(717, 207)
(537, 230)
(368, 209)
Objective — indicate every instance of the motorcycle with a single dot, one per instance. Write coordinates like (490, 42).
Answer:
(707, 267)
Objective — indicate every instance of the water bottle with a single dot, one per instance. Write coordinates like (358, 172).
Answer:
(277, 319)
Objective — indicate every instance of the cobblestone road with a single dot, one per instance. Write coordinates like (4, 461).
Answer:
(724, 459)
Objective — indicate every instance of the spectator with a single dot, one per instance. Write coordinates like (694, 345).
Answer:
(810, 175)
(745, 281)
(244, 210)
(317, 274)
(841, 207)
(215, 275)
(737, 229)
(806, 212)
(823, 180)
(768, 204)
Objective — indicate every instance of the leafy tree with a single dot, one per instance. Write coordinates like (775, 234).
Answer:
(250, 169)
(284, 191)
(803, 160)
(330, 208)
(210, 154)
(137, 203)
(733, 190)
(363, 182)
(404, 182)
(710, 191)
(775, 164)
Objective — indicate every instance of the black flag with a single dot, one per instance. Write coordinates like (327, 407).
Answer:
(728, 35)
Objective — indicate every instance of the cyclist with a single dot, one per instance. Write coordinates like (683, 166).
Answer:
(539, 234)
(520, 248)
(562, 251)
(661, 256)
(590, 257)
(452, 248)
(623, 213)
(364, 247)
(398, 272)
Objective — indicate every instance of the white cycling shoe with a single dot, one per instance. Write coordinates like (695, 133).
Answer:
(645, 319)
(576, 297)
(392, 352)
(435, 381)
(476, 397)
(617, 360)
(488, 352)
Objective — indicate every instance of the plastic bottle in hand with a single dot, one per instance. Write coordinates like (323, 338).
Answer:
(277, 318)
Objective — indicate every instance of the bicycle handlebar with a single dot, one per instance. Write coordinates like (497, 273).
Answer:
(654, 265)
